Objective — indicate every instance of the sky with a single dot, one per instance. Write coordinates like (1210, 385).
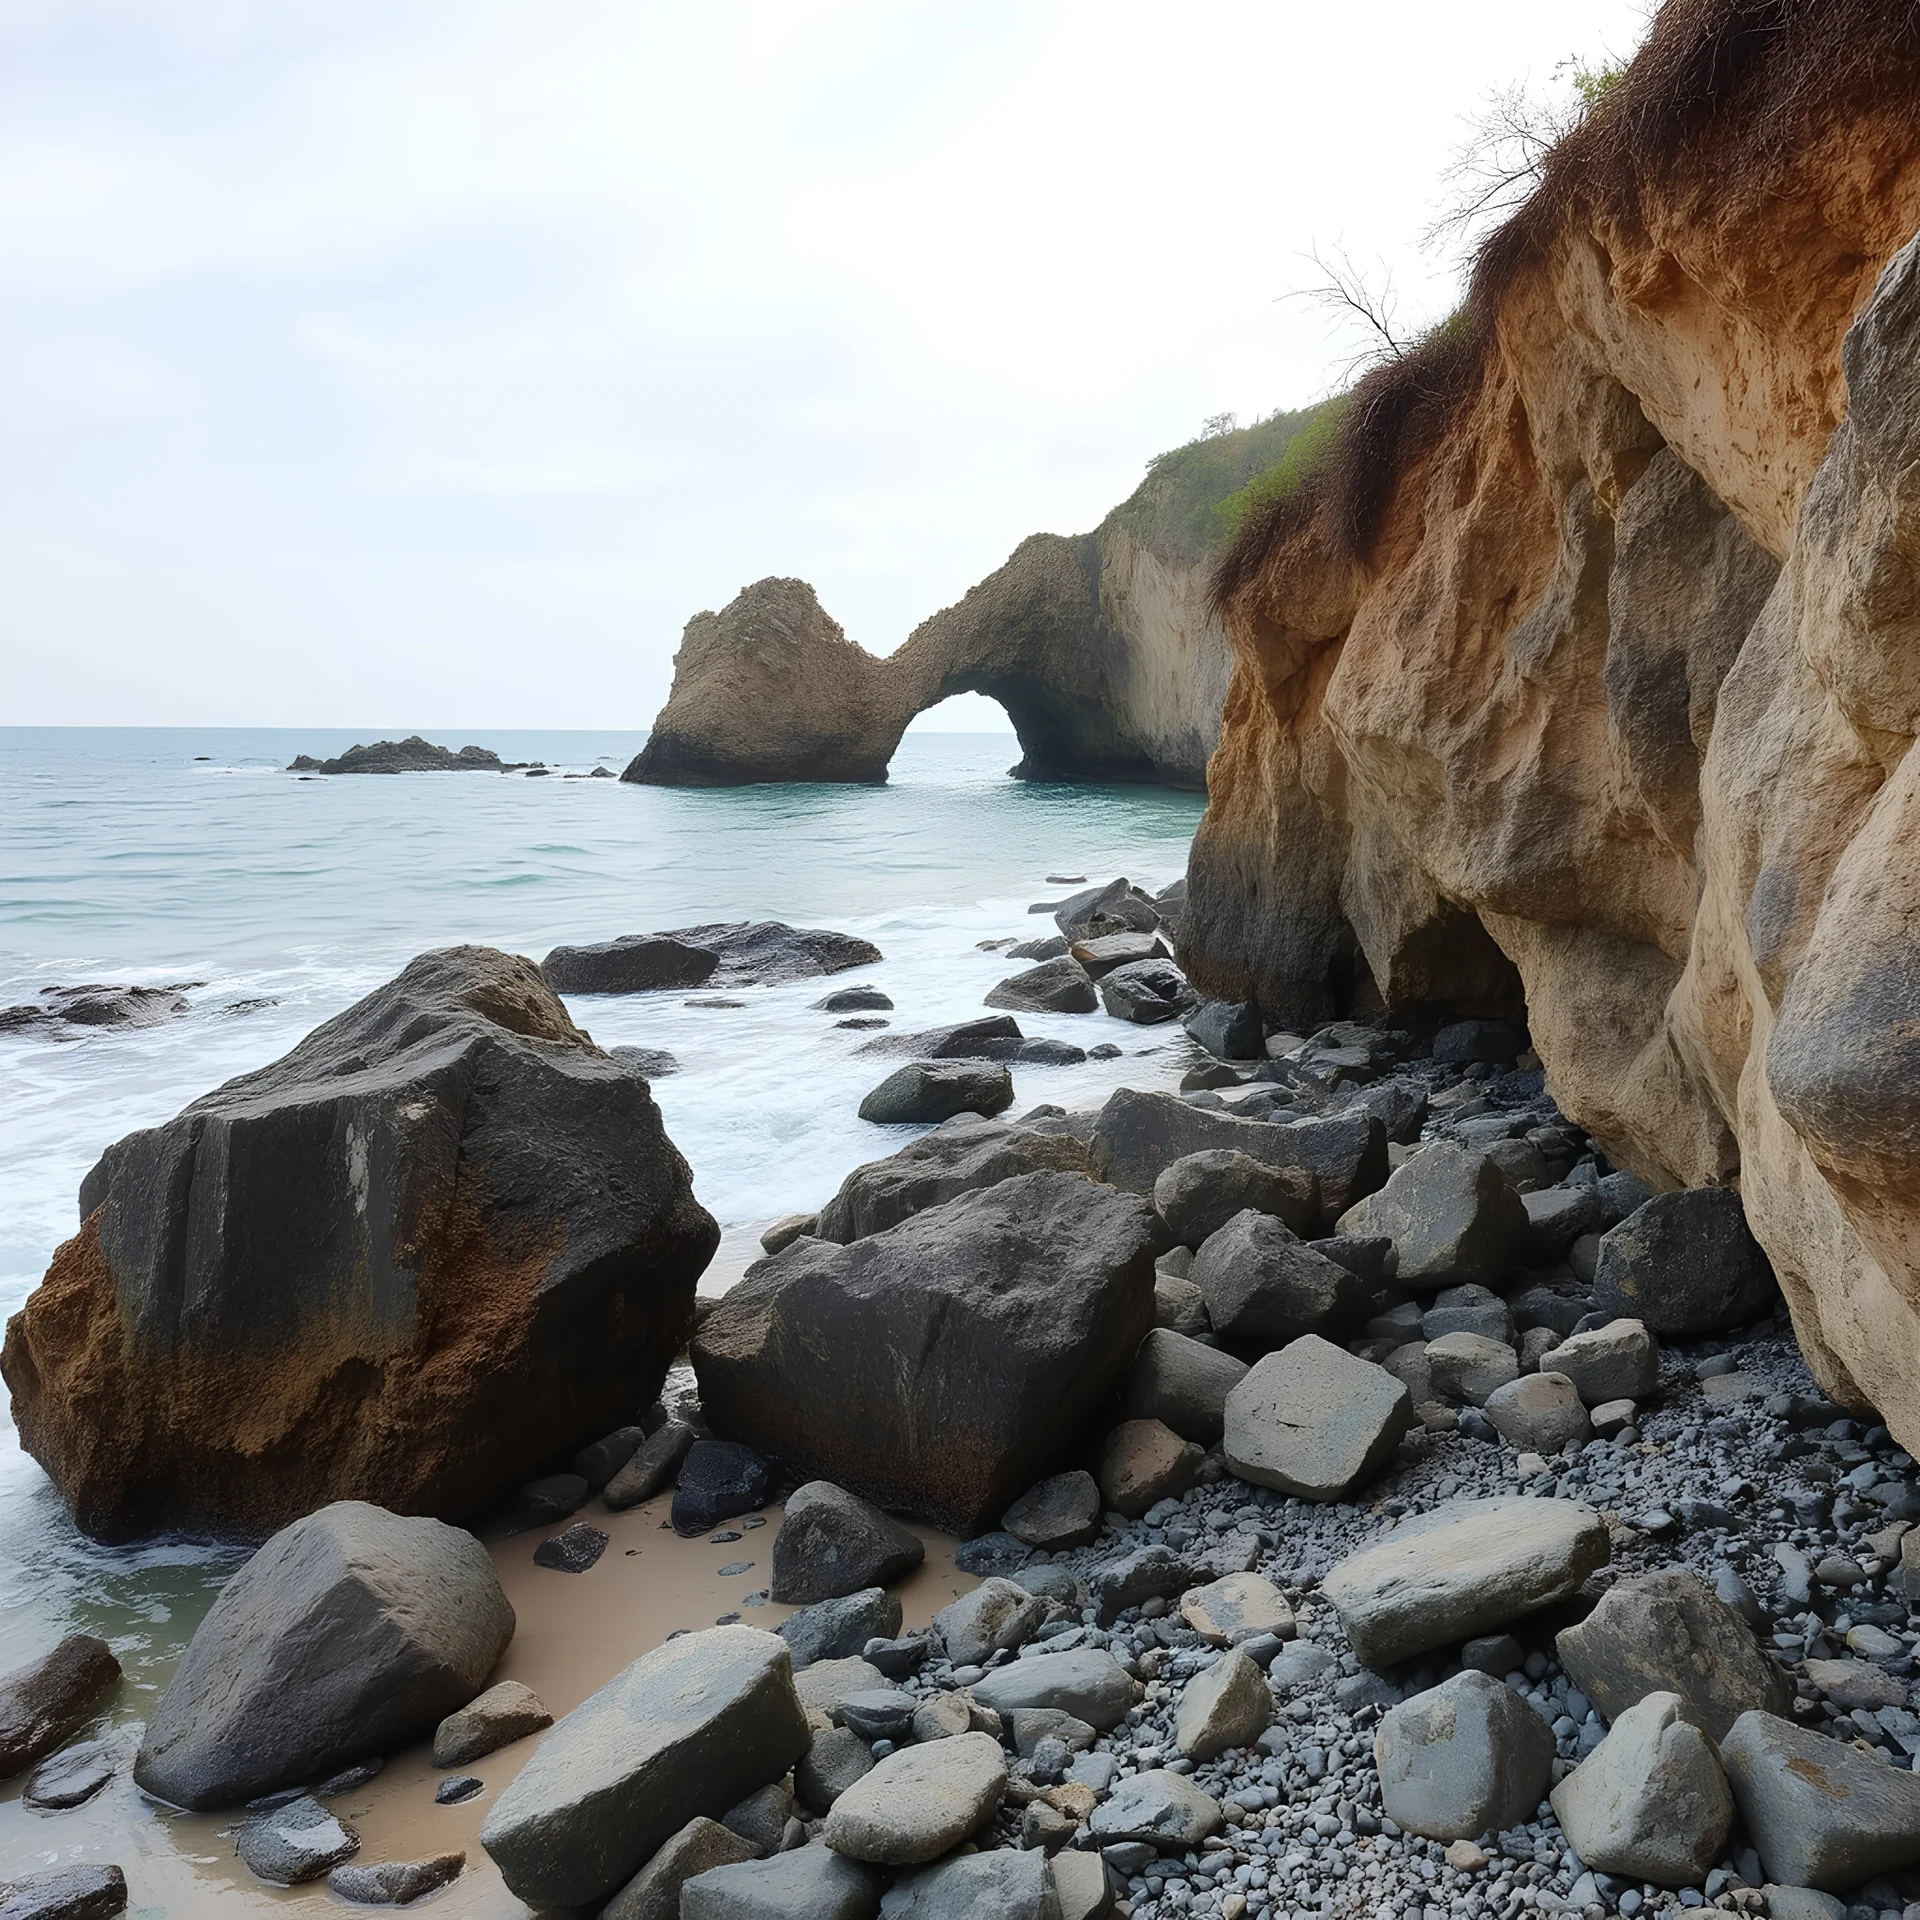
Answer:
(431, 362)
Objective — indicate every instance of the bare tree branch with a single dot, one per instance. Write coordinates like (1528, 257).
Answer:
(1344, 291)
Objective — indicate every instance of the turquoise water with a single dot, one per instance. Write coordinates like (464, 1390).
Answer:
(126, 856)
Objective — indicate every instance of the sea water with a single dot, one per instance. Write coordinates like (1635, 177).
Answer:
(175, 856)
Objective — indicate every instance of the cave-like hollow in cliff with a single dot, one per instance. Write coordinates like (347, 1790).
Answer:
(1061, 737)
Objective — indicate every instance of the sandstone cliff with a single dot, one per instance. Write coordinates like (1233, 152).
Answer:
(1102, 648)
(1585, 671)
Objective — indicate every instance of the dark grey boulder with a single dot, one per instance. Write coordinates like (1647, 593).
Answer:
(347, 1635)
(395, 1883)
(1556, 1218)
(964, 1040)
(840, 1629)
(1115, 907)
(929, 1090)
(1059, 1512)
(635, 963)
(65, 1893)
(1492, 1042)
(542, 1502)
(968, 1345)
(832, 1543)
(963, 1156)
(1619, 1194)
(1685, 1263)
(71, 1777)
(808, 1883)
(1399, 1105)
(1055, 986)
(1182, 1384)
(854, 1000)
(837, 1758)
(1050, 947)
(1228, 1030)
(1668, 1632)
(1452, 1215)
(1468, 1309)
(50, 1698)
(96, 1006)
(1009, 1883)
(1263, 1287)
(442, 1241)
(577, 1550)
(719, 1480)
(654, 1463)
(1197, 1195)
(597, 1464)
(291, 1844)
(756, 953)
(1146, 992)
(691, 1728)
(1367, 1256)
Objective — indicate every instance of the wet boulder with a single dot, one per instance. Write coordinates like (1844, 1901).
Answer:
(634, 963)
(1146, 992)
(443, 1241)
(1055, 986)
(49, 1698)
(1229, 1030)
(931, 1090)
(940, 1367)
(347, 1635)
(1685, 1263)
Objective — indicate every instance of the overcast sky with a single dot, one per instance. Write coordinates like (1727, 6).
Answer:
(429, 362)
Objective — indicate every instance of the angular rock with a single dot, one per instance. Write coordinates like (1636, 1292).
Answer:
(1849, 1684)
(1008, 1884)
(837, 1758)
(840, 1628)
(71, 1777)
(1144, 1463)
(1463, 1569)
(687, 1729)
(1313, 1420)
(1147, 1573)
(1242, 1606)
(503, 1714)
(1497, 1042)
(1616, 1362)
(1087, 1682)
(1055, 986)
(1228, 1030)
(547, 1501)
(1199, 1193)
(1058, 1513)
(1224, 1706)
(760, 953)
(823, 1686)
(919, 1802)
(1452, 1215)
(1556, 1218)
(653, 1465)
(719, 1480)
(1145, 991)
(395, 1883)
(632, 963)
(597, 1464)
(761, 1818)
(1164, 1809)
(808, 1883)
(1464, 1757)
(1539, 1413)
(1468, 1309)
(289, 1845)
(971, 1343)
(1668, 1632)
(578, 1550)
(45, 1701)
(441, 1241)
(1685, 1263)
(928, 1090)
(993, 1615)
(1177, 1303)
(349, 1633)
(1821, 1813)
(66, 1893)
(1114, 907)
(1263, 1287)
(1181, 1384)
(1470, 1367)
(832, 1543)
(963, 1156)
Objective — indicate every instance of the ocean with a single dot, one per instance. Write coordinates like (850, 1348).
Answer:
(165, 856)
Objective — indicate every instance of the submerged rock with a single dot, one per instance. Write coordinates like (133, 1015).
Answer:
(443, 1240)
(66, 1893)
(395, 1883)
(938, 1367)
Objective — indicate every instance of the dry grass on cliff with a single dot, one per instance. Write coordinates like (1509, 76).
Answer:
(1728, 90)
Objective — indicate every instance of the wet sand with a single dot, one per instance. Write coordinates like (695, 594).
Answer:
(575, 1632)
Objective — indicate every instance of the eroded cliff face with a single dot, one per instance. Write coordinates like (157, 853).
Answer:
(1615, 706)
(1102, 650)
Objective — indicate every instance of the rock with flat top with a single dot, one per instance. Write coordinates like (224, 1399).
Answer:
(66, 1893)
(919, 1802)
(1464, 1757)
(1198, 1194)
(1453, 1216)
(348, 1634)
(1315, 1421)
(1007, 1884)
(395, 1883)
(1470, 1367)
(71, 1777)
(1224, 1706)
(1650, 1802)
(1668, 1632)
(286, 1846)
(808, 1883)
(1161, 1807)
(1242, 1606)
(1062, 985)
(1466, 1568)
(823, 1686)
(48, 1699)
(1143, 1463)
(690, 1728)
(503, 1714)
(832, 1543)
(654, 1892)
(1060, 1512)
(1087, 1682)
(839, 1629)
(1821, 1813)
(924, 1091)
(1619, 1361)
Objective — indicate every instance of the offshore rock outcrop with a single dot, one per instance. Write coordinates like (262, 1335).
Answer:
(1585, 675)
(1101, 648)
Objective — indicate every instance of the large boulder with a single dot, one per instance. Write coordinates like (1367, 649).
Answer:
(1263, 1287)
(962, 1156)
(1460, 1570)
(691, 1728)
(347, 1635)
(1462, 1758)
(1452, 1216)
(735, 953)
(1055, 986)
(1668, 1632)
(1146, 992)
(1315, 1421)
(1684, 1263)
(832, 1543)
(1197, 1196)
(920, 1802)
(442, 1241)
(634, 963)
(928, 1090)
(44, 1701)
(939, 1367)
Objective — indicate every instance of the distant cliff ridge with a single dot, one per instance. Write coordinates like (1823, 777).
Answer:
(1100, 646)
